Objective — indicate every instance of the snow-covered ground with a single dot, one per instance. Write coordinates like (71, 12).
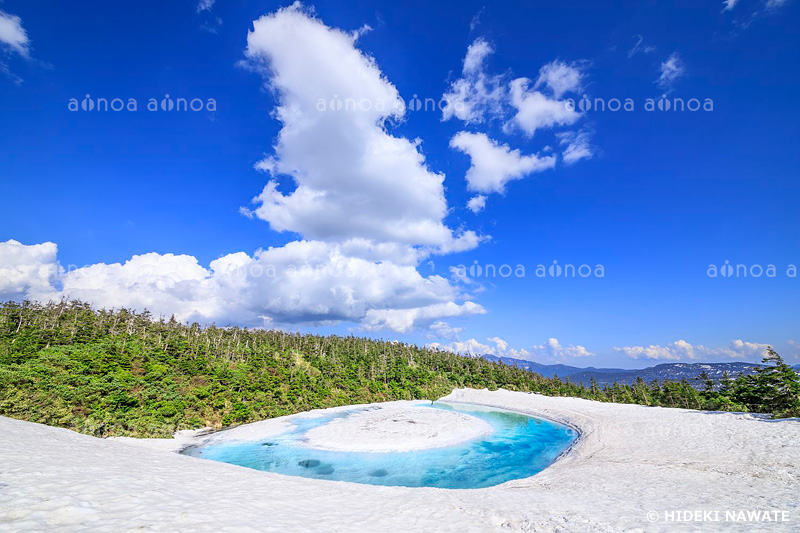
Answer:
(632, 469)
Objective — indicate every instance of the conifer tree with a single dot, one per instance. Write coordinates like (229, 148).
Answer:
(777, 385)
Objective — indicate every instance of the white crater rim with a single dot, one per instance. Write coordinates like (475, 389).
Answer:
(397, 429)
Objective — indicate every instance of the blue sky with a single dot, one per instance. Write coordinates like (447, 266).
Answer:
(653, 196)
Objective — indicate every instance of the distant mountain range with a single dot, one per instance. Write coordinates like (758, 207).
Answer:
(607, 376)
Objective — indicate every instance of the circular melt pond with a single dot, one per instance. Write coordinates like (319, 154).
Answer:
(411, 445)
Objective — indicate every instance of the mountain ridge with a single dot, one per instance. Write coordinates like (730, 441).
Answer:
(608, 376)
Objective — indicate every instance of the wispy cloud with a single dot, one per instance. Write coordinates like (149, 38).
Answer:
(578, 145)
(671, 70)
(210, 22)
(794, 344)
(205, 5)
(640, 47)
(752, 12)
(729, 4)
(476, 20)
(13, 35)
(13, 40)
(775, 4)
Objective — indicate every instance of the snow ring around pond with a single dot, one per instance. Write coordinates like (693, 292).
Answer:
(397, 429)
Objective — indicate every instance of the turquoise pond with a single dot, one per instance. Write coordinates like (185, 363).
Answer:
(520, 447)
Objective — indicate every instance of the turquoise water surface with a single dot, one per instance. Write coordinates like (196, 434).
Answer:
(520, 447)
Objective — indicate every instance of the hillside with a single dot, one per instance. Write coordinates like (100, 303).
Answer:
(124, 373)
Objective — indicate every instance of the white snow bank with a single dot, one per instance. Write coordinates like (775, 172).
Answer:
(397, 429)
(629, 462)
(180, 440)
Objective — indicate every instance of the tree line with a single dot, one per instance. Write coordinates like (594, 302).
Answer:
(122, 372)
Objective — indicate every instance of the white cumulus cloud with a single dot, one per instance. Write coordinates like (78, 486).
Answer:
(681, 350)
(494, 164)
(551, 350)
(535, 110)
(404, 320)
(560, 77)
(524, 106)
(363, 201)
(477, 52)
(304, 282)
(352, 178)
(27, 271)
(470, 347)
(476, 96)
(477, 203)
(502, 345)
(554, 350)
(443, 330)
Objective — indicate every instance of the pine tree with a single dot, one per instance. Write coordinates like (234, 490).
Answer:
(778, 385)
(708, 383)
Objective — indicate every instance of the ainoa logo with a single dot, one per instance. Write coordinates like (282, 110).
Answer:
(569, 271)
(365, 104)
(131, 104)
(586, 104)
(727, 270)
(476, 270)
